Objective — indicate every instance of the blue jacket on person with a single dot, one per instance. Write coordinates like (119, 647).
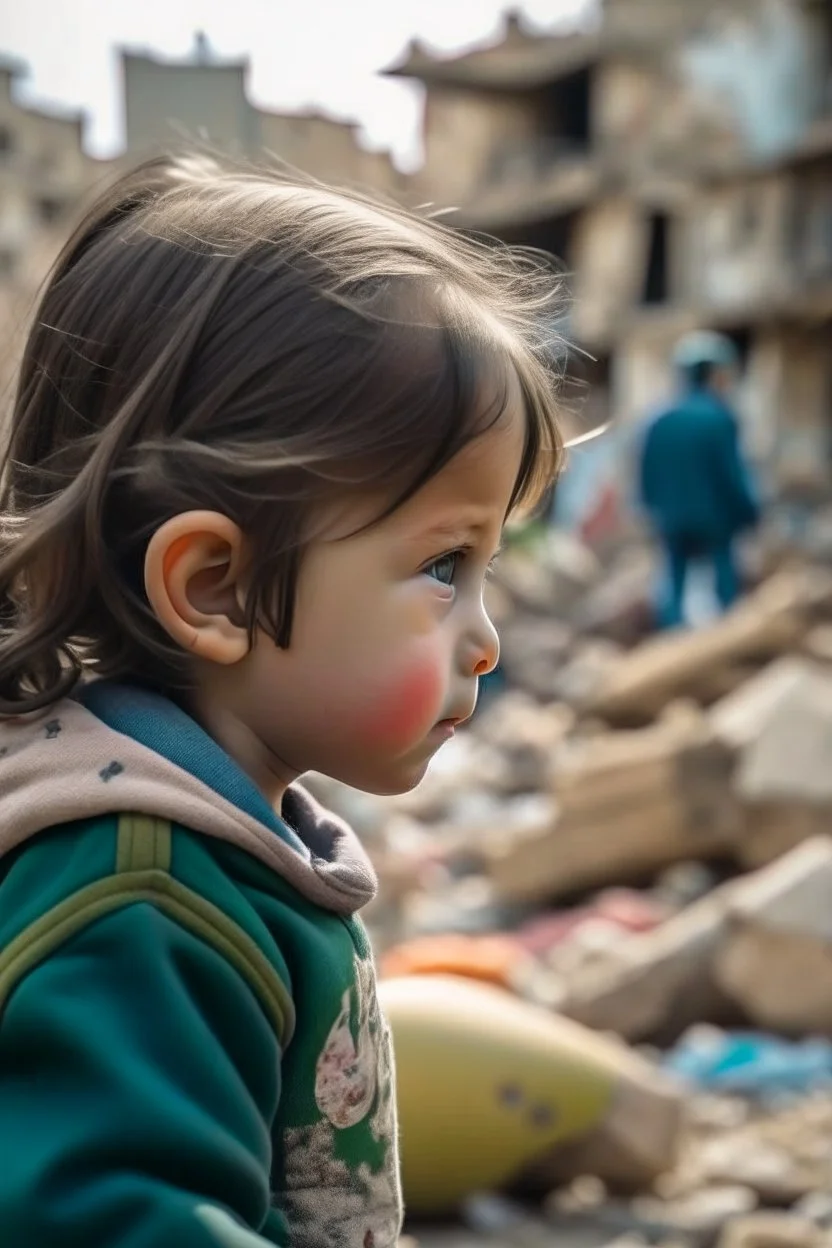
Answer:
(693, 481)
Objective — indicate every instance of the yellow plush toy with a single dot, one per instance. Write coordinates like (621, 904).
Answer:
(491, 1088)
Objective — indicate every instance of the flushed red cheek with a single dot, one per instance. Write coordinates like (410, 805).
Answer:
(405, 710)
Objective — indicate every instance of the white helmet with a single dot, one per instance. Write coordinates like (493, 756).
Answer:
(705, 347)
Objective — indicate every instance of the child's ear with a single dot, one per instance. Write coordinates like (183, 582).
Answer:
(193, 576)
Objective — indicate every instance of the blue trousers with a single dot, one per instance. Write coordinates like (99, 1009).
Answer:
(679, 554)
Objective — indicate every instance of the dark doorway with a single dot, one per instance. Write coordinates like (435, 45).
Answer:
(552, 234)
(566, 112)
(656, 279)
(741, 337)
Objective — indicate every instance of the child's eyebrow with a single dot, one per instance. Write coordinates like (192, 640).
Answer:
(455, 534)
(463, 524)
(451, 535)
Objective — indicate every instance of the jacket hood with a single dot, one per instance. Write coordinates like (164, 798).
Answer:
(115, 750)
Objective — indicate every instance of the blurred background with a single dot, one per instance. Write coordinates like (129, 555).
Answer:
(605, 921)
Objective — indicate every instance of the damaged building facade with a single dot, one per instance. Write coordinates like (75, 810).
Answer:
(204, 99)
(199, 100)
(677, 157)
(44, 172)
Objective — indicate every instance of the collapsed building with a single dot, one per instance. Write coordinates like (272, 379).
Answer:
(677, 157)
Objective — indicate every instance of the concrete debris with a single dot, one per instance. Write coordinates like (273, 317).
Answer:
(627, 804)
(782, 1154)
(700, 1215)
(733, 952)
(741, 719)
(815, 1207)
(817, 644)
(657, 980)
(740, 1176)
(788, 758)
(533, 652)
(685, 664)
(773, 1230)
(619, 608)
(684, 883)
(578, 680)
(774, 961)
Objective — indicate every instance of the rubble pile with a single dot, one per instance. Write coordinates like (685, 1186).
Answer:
(743, 1179)
(634, 834)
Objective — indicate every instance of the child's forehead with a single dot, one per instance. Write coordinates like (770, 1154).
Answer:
(471, 492)
(476, 485)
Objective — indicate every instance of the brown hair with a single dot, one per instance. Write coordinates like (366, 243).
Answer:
(248, 342)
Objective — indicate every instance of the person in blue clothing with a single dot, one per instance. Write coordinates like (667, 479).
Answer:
(695, 486)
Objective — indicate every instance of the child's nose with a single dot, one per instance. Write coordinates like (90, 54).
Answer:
(480, 650)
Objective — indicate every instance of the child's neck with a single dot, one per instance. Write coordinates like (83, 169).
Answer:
(271, 775)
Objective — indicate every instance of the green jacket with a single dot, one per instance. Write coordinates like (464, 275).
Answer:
(191, 1050)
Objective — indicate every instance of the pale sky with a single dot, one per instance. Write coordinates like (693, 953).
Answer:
(324, 53)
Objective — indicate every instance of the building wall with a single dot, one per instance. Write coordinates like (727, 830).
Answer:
(810, 233)
(802, 452)
(170, 103)
(43, 173)
(760, 397)
(327, 149)
(463, 130)
(669, 20)
(39, 148)
(725, 78)
(623, 106)
(641, 373)
(733, 244)
(609, 254)
(36, 144)
(761, 60)
(650, 116)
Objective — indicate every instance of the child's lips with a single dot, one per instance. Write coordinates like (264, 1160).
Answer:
(445, 728)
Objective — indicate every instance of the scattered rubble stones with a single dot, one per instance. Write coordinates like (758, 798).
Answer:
(773, 1230)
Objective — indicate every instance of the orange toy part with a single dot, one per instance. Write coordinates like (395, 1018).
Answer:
(489, 959)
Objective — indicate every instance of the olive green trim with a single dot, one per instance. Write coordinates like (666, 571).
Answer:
(143, 843)
(205, 920)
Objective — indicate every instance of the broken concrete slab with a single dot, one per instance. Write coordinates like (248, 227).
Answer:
(740, 719)
(788, 759)
(762, 627)
(698, 1217)
(627, 803)
(657, 978)
(775, 959)
(772, 829)
(770, 1229)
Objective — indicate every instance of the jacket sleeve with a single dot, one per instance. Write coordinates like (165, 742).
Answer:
(640, 448)
(740, 494)
(139, 1077)
(645, 470)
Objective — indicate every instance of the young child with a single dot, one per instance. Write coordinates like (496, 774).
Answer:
(265, 440)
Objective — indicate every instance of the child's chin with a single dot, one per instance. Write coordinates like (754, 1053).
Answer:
(400, 777)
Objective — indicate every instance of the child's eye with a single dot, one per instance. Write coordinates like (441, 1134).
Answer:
(443, 569)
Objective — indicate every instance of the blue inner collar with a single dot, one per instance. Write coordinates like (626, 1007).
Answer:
(162, 726)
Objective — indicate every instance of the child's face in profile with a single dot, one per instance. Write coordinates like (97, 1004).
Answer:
(390, 633)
